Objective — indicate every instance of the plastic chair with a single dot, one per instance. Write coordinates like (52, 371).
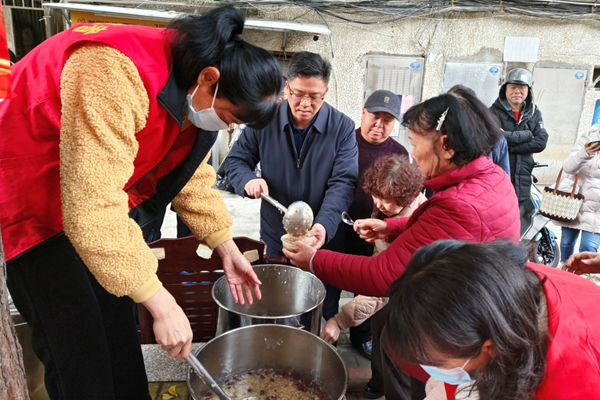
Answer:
(190, 278)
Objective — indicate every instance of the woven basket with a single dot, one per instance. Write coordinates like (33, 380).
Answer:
(561, 206)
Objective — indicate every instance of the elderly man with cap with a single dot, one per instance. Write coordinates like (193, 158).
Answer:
(380, 112)
(524, 130)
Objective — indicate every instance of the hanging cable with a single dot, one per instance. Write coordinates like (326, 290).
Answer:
(370, 12)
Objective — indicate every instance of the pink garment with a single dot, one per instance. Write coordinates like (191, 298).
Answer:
(475, 202)
(362, 307)
(358, 310)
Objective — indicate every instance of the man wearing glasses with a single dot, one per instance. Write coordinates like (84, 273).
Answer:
(308, 152)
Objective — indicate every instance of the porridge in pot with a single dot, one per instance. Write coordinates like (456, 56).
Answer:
(268, 384)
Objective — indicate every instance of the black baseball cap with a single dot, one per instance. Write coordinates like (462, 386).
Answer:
(383, 101)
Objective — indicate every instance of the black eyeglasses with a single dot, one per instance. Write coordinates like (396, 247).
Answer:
(314, 99)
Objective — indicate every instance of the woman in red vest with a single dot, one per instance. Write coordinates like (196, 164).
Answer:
(107, 125)
(480, 313)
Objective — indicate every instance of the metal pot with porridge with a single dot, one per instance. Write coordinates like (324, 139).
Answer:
(271, 361)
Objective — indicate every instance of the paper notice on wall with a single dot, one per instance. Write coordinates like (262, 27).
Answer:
(521, 49)
(406, 102)
(396, 129)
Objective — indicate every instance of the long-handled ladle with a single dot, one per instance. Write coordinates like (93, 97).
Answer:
(297, 218)
(208, 379)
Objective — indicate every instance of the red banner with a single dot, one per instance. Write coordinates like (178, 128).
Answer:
(4, 60)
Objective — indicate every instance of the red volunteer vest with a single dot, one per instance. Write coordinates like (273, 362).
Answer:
(573, 358)
(30, 207)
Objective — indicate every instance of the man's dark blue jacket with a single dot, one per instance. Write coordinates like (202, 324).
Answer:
(324, 174)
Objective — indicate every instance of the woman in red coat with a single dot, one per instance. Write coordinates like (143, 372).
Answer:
(480, 313)
(473, 198)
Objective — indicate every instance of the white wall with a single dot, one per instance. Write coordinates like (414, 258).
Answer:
(465, 37)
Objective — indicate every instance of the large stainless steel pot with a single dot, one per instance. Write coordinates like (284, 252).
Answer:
(290, 297)
(282, 348)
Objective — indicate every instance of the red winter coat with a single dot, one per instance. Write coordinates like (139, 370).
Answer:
(475, 202)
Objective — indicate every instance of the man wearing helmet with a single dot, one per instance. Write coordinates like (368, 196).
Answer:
(524, 130)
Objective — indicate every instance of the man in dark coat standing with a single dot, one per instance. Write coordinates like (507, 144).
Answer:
(308, 152)
(380, 112)
(524, 130)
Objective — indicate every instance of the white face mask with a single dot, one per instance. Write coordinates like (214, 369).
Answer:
(206, 119)
(454, 376)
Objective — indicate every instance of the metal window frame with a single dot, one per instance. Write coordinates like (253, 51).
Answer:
(165, 16)
(25, 4)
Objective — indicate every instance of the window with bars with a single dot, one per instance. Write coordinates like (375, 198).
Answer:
(26, 4)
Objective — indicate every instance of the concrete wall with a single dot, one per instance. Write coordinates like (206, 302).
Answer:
(8, 24)
(441, 38)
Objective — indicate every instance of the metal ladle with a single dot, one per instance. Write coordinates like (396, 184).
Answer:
(208, 379)
(297, 218)
(347, 219)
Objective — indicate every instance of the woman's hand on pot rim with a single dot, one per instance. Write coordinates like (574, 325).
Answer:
(239, 273)
(302, 257)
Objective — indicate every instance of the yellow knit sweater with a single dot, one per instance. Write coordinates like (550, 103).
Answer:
(104, 105)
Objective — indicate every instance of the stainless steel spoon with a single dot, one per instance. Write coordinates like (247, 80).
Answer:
(297, 218)
(208, 379)
(346, 219)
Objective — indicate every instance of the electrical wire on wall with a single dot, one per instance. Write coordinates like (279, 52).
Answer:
(385, 11)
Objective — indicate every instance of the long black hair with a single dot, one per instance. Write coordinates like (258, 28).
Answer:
(455, 295)
(250, 76)
(471, 128)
